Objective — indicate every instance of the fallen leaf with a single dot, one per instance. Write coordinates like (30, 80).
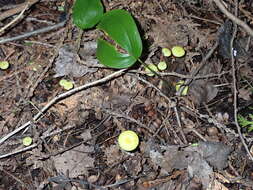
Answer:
(66, 63)
(75, 161)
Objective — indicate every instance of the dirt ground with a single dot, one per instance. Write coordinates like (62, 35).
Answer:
(198, 140)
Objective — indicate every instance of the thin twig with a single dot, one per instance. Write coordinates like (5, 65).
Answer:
(232, 17)
(153, 86)
(234, 83)
(28, 34)
(60, 97)
(196, 71)
(181, 75)
(180, 125)
(119, 115)
(17, 9)
(14, 177)
(44, 136)
(19, 151)
(14, 20)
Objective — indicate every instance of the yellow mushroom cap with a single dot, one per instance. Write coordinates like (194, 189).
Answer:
(4, 65)
(162, 65)
(153, 67)
(128, 140)
(166, 52)
(178, 51)
(27, 141)
(67, 85)
(178, 86)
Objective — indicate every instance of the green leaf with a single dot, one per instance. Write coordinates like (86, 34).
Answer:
(250, 128)
(87, 13)
(109, 56)
(121, 28)
(244, 122)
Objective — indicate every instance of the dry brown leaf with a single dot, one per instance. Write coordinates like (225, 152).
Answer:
(75, 161)
(66, 63)
(245, 94)
(202, 91)
(217, 186)
(68, 104)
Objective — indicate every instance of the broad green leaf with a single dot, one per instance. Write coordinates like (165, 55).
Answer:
(87, 13)
(121, 28)
(109, 56)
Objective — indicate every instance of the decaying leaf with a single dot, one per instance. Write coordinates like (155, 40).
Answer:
(112, 154)
(245, 94)
(66, 63)
(76, 161)
(134, 165)
(215, 153)
(202, 91)
(198, 160)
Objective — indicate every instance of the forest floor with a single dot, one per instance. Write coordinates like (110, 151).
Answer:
(199, 140)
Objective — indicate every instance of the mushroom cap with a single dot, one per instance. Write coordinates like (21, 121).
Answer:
(166, 52)
(149, 72)
(178, 51)
(128, 140)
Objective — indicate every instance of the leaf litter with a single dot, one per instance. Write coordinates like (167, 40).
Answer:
(67, 65)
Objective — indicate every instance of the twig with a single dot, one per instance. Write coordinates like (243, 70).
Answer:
(19, 151)
(14, 20)
(204, 19)
(14, 177)
(196, 71)
(232, 17)
(44, 136)
(60, 97)
(180, 125)
(181, 75)
(160, 6)
(153, 86)
(234, 83)
(119, 115)
(17, 9)
(28, 34)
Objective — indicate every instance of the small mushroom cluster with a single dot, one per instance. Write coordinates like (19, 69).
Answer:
(176, 51)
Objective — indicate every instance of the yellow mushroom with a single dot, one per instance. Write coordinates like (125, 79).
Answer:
(178, 51)
(128, 140)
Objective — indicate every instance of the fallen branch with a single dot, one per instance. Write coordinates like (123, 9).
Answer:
(233, 62)
(236, 20)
